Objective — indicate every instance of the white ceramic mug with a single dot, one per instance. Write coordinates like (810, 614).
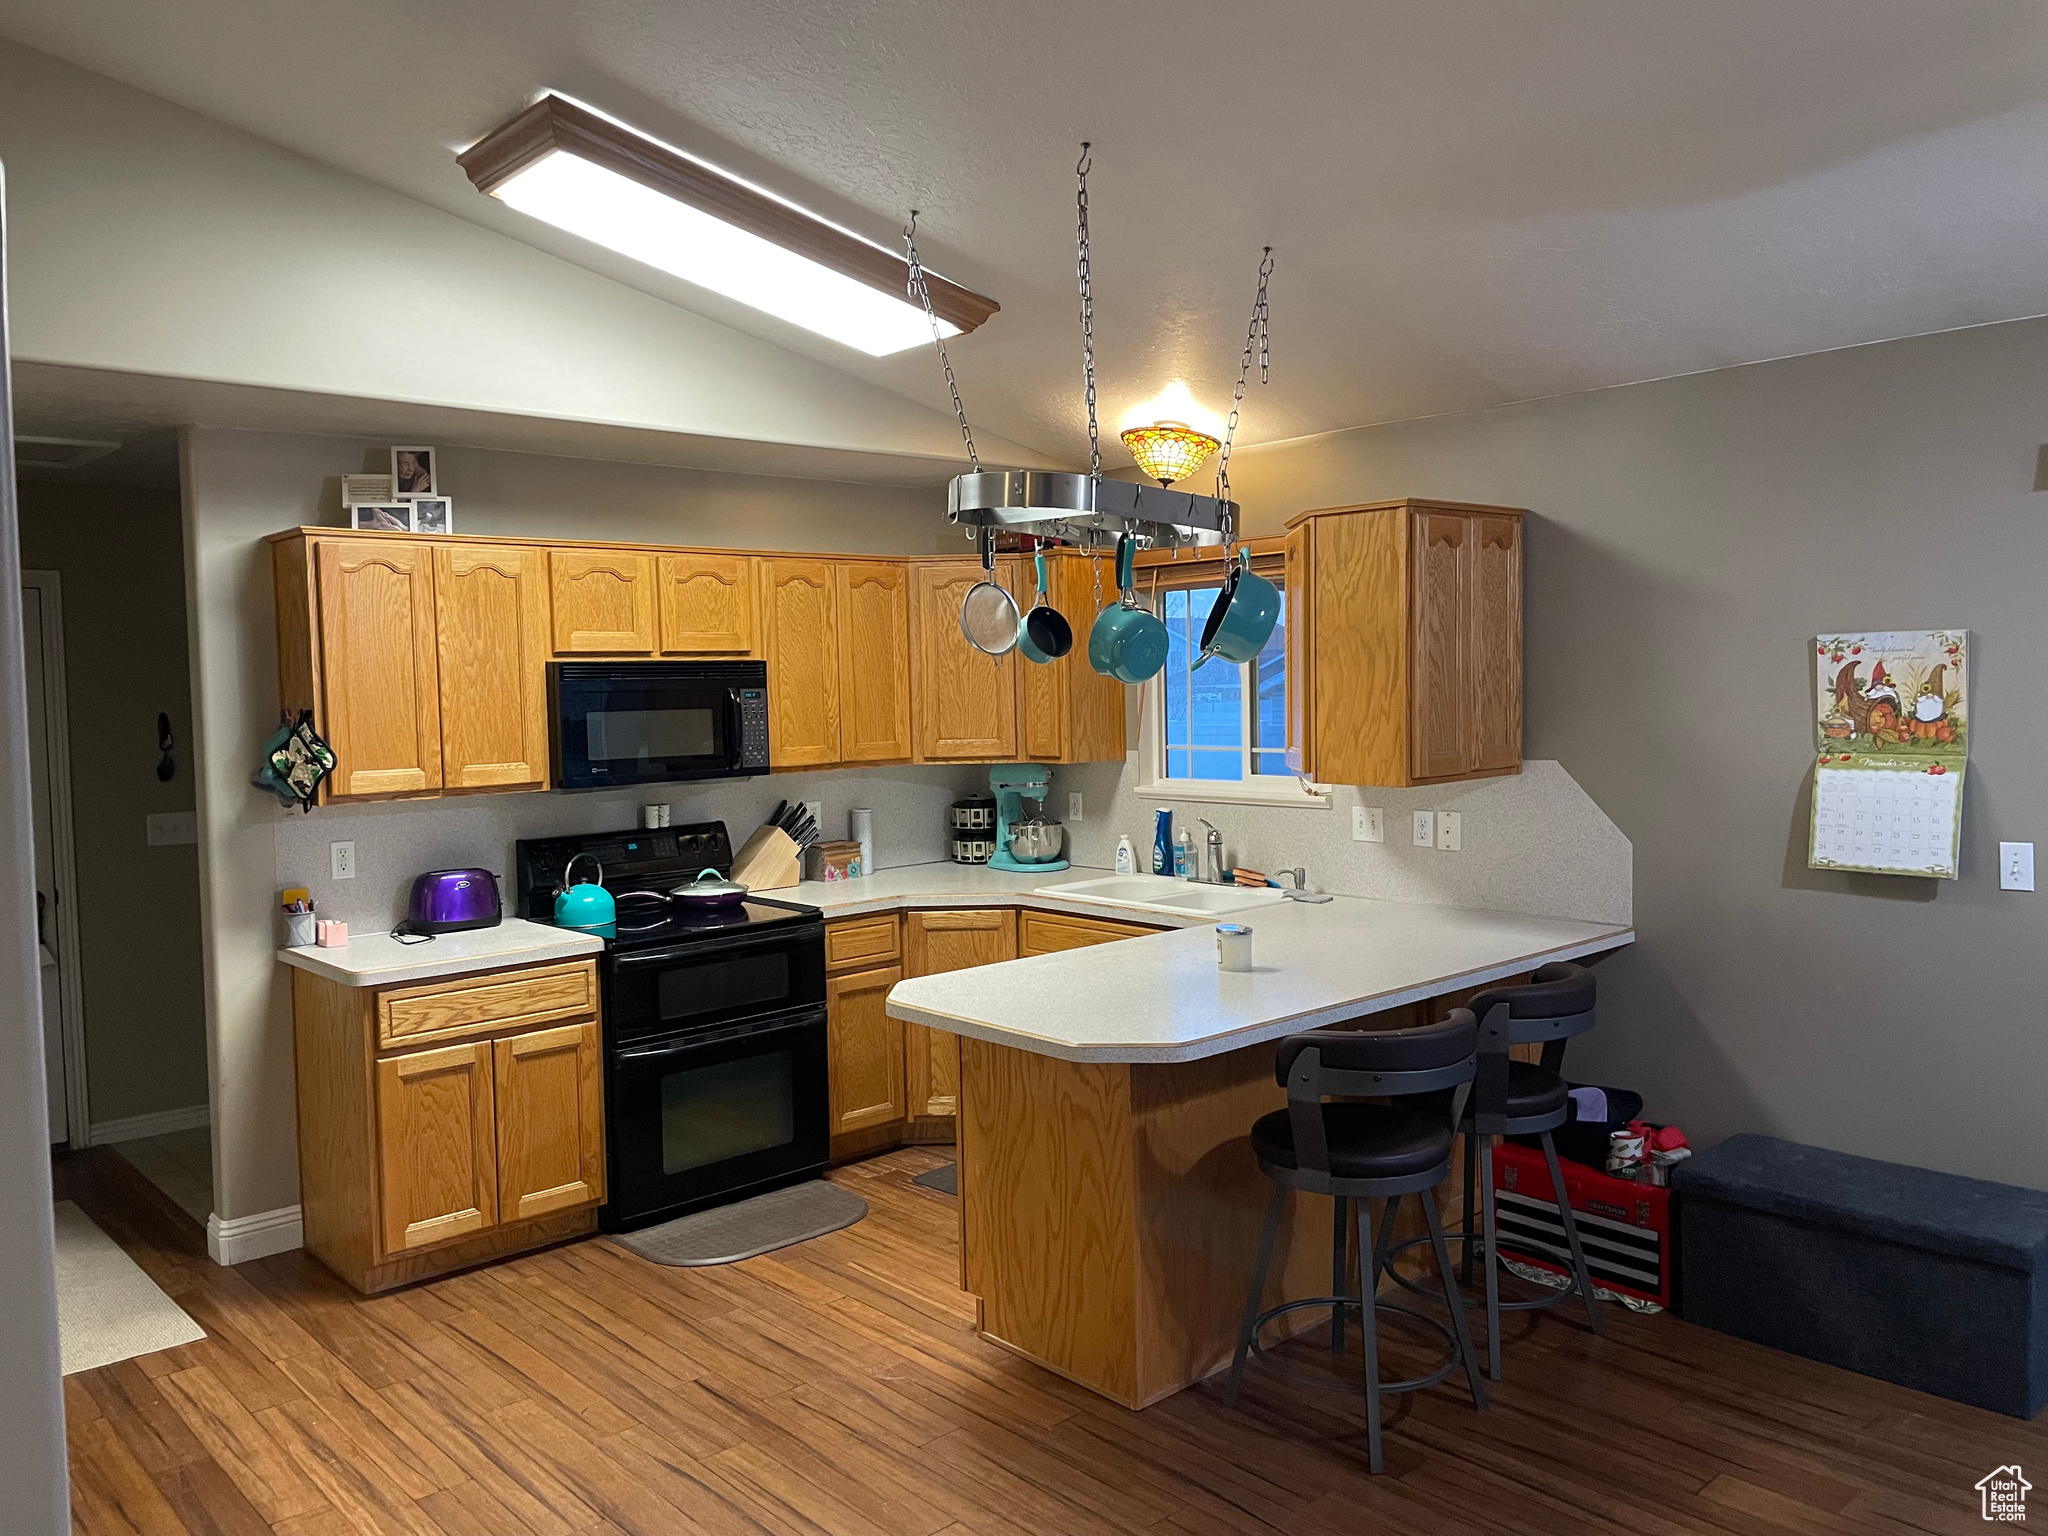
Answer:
(1233, 947)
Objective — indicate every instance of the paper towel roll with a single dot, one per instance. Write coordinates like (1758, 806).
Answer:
(860, 828)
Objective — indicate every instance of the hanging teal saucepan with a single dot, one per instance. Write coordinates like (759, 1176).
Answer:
(1244, 614)
(1046, 636)
(1128, 642)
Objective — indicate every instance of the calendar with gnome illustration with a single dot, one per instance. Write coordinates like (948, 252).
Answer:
(1892, 730)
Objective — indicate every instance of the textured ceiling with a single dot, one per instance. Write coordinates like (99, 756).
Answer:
(1471, 202)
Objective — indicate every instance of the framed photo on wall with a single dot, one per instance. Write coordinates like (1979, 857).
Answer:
(412, 473)
(433, 514)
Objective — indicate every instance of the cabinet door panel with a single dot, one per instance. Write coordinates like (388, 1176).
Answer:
(947, 941)
(1441, 659)
(706, 603)
(964, 704)
(866, 1050)
(383, 715)
(874, 662)
(1047, 933)
(1496, 641)
(550, 1121)
(436, 1147)
(491, 625)
(1094, 726)
(603, 601)
(1299, 640)
(800, 639)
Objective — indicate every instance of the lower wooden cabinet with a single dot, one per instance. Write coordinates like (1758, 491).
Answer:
(865, 1050)
(947, 941)
(1047, 933)
(417, 1158)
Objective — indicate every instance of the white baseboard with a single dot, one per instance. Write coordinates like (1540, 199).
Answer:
(243, 1238)
(162, 1123)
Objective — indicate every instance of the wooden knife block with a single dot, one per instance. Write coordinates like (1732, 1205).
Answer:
(769, 862)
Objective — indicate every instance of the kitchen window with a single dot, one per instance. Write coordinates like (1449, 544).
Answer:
(1217, 731)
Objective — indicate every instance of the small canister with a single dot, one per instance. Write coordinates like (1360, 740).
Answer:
(1233, 947)
(298, 929)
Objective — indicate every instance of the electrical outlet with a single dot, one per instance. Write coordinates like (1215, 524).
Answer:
(817, 813)
(1450, 831)
(1425, 829)
(2015, 866)
(1074, 805)
(343, 856)
(1368, 824)
(169, 829)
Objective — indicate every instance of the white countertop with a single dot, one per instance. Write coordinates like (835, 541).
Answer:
(1161, 998)
(378, 960)
(958, 885)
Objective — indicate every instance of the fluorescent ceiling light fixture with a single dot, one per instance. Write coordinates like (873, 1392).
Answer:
(579, 171)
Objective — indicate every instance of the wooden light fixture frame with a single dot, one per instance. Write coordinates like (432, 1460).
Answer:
(555, 123)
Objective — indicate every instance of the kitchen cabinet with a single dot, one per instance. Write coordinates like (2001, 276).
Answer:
(380, 667)
(865, 1050)
(447, 1122)
(963, 703)
(706, 603)
(491, 639)
(1067, 712)
(947, 941)
(1404, 643)
(603, 602)
(799, 640)
(872, 599)
(1047, 933)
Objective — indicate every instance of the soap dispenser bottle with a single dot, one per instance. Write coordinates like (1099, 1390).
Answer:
(1126, 856)
(1183, 855)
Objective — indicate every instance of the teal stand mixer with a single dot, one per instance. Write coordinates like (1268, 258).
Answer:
(1012, 785)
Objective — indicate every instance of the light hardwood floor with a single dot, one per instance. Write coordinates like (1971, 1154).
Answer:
(838, 1387)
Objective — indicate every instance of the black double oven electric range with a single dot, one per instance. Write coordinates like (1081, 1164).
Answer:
(714, 1026)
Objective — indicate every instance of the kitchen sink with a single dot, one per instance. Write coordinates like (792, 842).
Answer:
(1162, 893)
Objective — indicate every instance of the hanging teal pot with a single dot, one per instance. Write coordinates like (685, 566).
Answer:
(1242, 620)
(1128, 642)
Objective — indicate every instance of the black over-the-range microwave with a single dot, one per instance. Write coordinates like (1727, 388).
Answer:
(614, 723)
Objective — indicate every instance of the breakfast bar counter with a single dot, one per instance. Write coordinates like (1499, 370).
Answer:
(1110, 1202)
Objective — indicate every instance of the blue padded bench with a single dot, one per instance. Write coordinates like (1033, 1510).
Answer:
(1930, 1280)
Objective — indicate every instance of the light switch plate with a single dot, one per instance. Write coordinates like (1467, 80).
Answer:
(343, 858)
(1074, 805)
(1368, 824)
(1450, 831)
(169, 829)
(2015, 866)
(1425, 829)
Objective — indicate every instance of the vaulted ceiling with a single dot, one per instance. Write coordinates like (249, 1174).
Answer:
(1471, 201)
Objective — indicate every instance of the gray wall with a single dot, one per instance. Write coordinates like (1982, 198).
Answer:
(118, 550)
(1688, 537)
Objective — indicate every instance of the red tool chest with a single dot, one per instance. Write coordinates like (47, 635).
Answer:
(1624, 1226)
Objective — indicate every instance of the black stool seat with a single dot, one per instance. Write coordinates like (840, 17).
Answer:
(1367, 1141)
(1533, 1091)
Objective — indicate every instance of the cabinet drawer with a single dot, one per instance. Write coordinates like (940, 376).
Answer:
(1046, 933)
(475, 1005)
(862, 941)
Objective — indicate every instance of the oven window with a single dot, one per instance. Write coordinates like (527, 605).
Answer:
(643, 735)
(710, 1114)
(723, 986)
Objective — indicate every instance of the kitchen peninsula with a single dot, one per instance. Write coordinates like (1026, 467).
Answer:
(1109, 1199)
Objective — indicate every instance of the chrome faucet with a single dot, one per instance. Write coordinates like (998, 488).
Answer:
(1212, 864)
(1301, 892)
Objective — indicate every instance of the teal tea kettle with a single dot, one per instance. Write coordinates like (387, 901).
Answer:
(587, 907)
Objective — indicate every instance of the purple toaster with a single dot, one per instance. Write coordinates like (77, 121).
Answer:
(449, 900)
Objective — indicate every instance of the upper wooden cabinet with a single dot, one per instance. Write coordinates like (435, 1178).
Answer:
(603, 602)
(873, 600)
(706, 604)
(963, 703)
(1067, 712)
(1404, 643)
(800, 640)
(379, 665)
(491, 628)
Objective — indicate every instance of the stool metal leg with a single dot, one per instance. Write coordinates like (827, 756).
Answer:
(1369, 1339)
(1340, 1264)
(1471, 1167)
(1384, 1245)
(1251, 1302)
(1453, 1298)
(1571, 1236)
(1490, 1231)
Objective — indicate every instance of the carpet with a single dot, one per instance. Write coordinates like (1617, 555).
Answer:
(107, 1308)
(747, 1228)
(946, 1179)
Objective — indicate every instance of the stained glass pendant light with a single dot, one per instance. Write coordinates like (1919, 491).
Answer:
(1169, 450)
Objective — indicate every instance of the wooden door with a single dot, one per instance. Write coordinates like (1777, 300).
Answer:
(963, 703)
(800, 639)
(1300, 643)
(1440, 655)
(550, 1121)
(873, 600)
(491, 630)
(603, 601)
(866, 1047)
(947, 941)
(1042, 695)
(1094, 704)
(378, 665)
(706, 604)
(436, 1147)
(1495, 637)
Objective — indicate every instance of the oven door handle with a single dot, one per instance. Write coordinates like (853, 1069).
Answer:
(697, 1043)
(783, 938)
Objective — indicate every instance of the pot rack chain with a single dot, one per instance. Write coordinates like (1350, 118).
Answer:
(1081, 270)
(922, 293)
(1258, 337)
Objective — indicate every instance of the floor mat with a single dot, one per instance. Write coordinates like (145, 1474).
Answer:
(750, 1227)
(107, 1308)
(945, 1180)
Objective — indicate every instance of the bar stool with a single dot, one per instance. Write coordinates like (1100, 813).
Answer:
(1517, 1098)
(1357, 1152)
